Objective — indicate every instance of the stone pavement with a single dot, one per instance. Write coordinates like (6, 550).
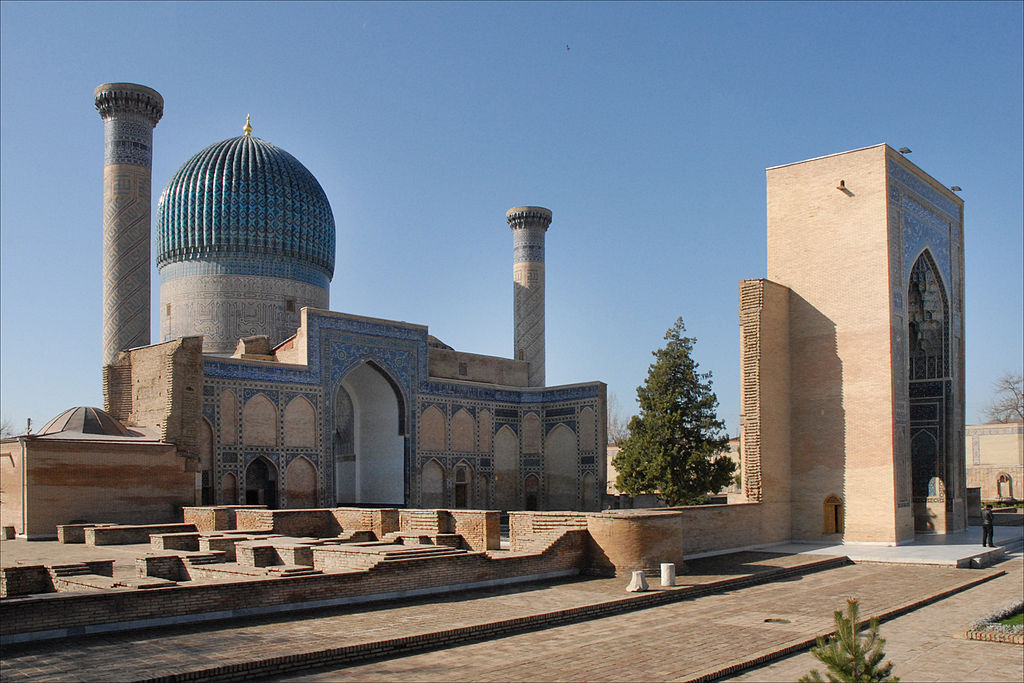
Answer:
(692, 640)
(922, 644)
(944, 549)
(682, 640)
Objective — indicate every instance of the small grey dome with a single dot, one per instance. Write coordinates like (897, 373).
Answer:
(84, 420)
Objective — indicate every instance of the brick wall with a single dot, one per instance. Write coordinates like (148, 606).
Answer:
(78, 610)
(25, 580)
(479, 528)
(215, 518)
(123, 535)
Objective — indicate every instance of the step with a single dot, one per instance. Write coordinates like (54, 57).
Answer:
(71, 570)
(291, 570)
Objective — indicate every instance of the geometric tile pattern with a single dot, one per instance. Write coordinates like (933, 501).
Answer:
(129, 113)
(244, 196)
(926, 267)
(529, 224)
(337, 344)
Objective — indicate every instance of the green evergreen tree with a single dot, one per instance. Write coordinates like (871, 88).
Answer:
(675, 445)
(848, 657)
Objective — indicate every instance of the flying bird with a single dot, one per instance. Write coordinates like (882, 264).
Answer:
(567, 47)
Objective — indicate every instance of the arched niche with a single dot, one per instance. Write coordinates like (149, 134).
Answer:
(259, 422)
(301, 484)
(261, 483)
(432, 430)
(531, 492)
(560, 460)
(506, 469)
(432, 485)
(1004, 486)
(462, 491)
(300, 423)
(463, 432)
(377, 472)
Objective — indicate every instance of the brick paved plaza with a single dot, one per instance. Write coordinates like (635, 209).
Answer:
(686, 640)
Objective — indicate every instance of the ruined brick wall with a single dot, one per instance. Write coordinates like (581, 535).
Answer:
(70, 611)
(25, 580)
(160, 386)
(479, 528)
(765, 382)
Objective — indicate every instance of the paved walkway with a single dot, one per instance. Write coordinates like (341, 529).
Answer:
(695, 639)
(679, 641)
(922, 644)
(943, 549)
(176, 650)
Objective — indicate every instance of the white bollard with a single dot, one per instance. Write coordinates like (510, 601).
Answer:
(668, 574)
(638, 582)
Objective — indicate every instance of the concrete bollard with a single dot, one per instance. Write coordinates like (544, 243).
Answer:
(668, 574)
(638, 583)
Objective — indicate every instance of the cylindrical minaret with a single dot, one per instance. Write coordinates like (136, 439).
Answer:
(529, 223)
(129, 114)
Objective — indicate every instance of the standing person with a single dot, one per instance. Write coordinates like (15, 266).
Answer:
(986, 527)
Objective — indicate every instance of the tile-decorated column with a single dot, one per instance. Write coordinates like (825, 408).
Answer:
(129, 114)
(529, 223)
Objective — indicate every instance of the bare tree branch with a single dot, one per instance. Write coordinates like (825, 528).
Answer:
(617, 425)
(1008, 399)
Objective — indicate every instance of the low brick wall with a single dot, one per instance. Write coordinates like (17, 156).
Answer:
(74, 533)
(212, 518)
(711, 528)
(126, 534)
(82, 610)
(170, 567)
(180, 541)
(25, 580)
(316, 523)
(380, 521)
(479, 528)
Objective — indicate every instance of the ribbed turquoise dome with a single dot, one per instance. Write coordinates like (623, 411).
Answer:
(245, 201)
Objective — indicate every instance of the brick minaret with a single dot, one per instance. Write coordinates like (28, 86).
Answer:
(129, 114)
(529, 223)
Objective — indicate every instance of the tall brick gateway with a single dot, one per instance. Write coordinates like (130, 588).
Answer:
(853, 352)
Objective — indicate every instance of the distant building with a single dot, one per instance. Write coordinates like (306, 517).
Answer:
(995, 460)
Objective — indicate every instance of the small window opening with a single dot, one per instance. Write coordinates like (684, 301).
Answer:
(463, 369)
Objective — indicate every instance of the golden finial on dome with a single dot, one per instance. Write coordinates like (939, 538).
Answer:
(248, 126)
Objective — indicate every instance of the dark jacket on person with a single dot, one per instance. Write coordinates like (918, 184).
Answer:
(986, 518)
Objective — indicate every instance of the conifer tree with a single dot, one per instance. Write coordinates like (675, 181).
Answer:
(675, 445)
(848, 657)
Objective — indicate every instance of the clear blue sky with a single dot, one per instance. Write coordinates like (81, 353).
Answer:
(647, 138)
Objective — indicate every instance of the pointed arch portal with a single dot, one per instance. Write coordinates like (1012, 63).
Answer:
(369, 439)
(931, 391)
